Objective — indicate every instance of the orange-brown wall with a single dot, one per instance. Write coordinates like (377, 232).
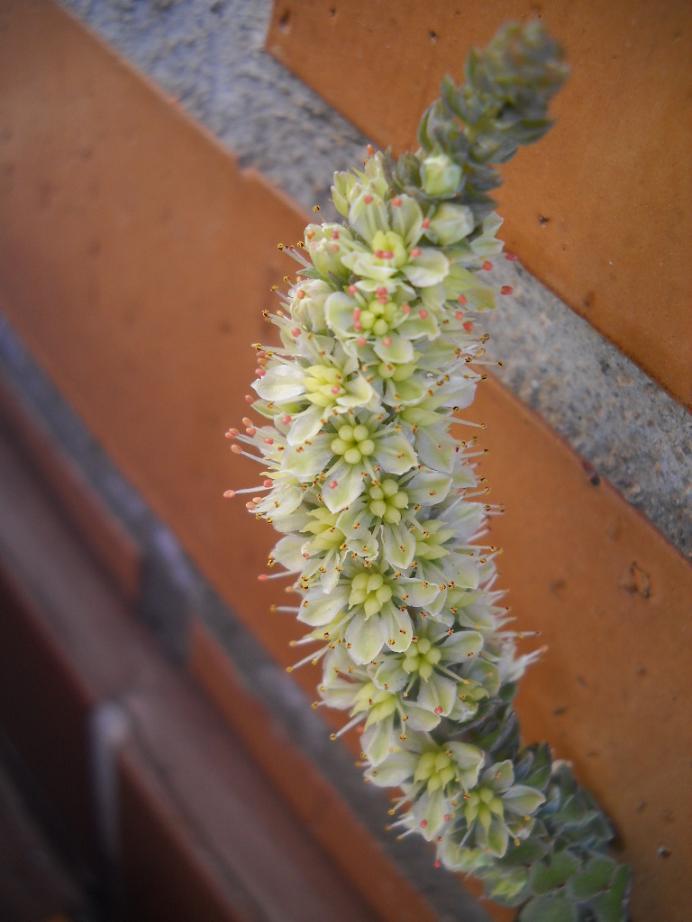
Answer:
(600, 209)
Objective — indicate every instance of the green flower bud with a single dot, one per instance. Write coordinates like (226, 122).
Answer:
(440, 175)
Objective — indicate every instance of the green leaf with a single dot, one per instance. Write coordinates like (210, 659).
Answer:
(423, 135)
(554, 872)
(534, 766)
(612, 906)
(525, 853)
(577, 810)
(507, 887)
(549, 907)
(595, 877)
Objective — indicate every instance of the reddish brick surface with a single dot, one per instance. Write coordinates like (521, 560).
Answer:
(588, 207)
(199, 829)
(320, 807)
(102, 533)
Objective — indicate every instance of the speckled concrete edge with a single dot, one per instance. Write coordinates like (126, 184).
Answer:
(173, 592)
(209, 55)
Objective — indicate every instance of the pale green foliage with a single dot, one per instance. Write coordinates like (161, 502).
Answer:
(381, 509)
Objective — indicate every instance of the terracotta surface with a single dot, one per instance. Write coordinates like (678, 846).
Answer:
(106, 538)
(201, 831)
(611, 600)
(597, 210)
(134, 260)
(320, 807)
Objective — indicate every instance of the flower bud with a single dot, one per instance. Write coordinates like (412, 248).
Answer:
(440, 175)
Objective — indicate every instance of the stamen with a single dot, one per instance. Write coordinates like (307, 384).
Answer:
(467, 422)
(359, 718)
(237, 450)
(313, 658)
(229, 494)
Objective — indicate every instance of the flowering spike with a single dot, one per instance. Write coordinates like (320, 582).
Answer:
(381, 511)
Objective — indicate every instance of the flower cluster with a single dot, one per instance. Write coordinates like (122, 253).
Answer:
(381, 510)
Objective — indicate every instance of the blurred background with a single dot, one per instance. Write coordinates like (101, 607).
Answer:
(156, 761)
